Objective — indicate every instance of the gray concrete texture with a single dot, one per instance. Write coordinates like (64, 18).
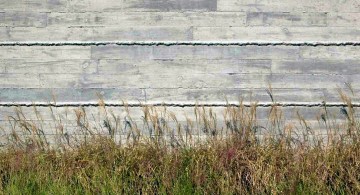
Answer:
(305, 49)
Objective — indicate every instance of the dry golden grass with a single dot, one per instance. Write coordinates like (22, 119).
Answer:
(162, 155)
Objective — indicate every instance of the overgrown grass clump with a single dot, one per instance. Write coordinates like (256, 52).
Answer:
(169, 161)
(226, 167)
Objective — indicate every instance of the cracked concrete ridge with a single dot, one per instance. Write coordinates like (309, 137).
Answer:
(177, 104)
(180, 43)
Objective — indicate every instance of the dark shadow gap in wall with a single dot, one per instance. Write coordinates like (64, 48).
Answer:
(168, 104)
(182, 43)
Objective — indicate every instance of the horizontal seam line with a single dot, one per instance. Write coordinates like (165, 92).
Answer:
(157, 104)
(184, 43)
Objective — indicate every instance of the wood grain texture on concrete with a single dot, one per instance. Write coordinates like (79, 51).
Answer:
(178, 51)
(168, 69)
(63, 120)
(289, 5)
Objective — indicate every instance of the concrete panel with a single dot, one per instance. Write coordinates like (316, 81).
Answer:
(72, 130)
(169, 67)
(171, 33)
(327, 67)
(248, 95)
(343, 19)
(69, 94)
(20, 80)
(21, 5)
(2, 67)
(313, 81)
(289, 5)
(338, 53)
(96, 116)
(45, 53)
(72, 95)
(194, 52)
(180, 80)
(108, 5)
(23, 19)
(206, 81)
(287, 19)
(285, 34)
(59, 34)
(134, 5)
(146, 19)
(168, 5)
(49, 66)
(61, 5)
(68, 113)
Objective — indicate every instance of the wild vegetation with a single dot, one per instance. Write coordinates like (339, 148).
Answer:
(196, 156)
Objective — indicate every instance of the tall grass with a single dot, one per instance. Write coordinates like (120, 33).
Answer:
(163, 155)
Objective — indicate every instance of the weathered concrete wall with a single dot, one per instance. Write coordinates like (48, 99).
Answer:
(177, 51)
(176, 73)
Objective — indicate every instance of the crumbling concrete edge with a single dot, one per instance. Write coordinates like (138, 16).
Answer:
(177, 104)
(181, 43)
